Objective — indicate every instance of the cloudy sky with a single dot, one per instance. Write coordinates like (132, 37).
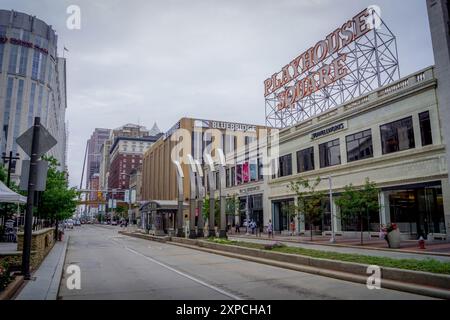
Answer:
(145, 60)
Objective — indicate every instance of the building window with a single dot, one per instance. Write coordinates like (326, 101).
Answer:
(23, 61)
(18, 114)
(425, 128)
(330, 154)
(227, 176)
(14, 52)
(305, 160)
(239, 174)
(253, 171)
(285, 166)
(233, 176)
(359, 146)
(31, 105)
(397, 136)
(260, 170)
(7, 112)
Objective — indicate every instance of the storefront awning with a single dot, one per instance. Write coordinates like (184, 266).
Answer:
(162, 205)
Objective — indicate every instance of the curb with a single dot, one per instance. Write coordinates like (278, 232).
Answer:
(146, 236)
(59, 270)
(346, 246)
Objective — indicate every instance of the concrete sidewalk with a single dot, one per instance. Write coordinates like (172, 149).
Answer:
(45, 280)
(396, 254)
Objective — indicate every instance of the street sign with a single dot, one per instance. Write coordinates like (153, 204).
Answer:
(127, 196)
(46, 141)
(42, 168)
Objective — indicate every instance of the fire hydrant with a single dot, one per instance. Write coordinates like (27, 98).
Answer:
(421, 243)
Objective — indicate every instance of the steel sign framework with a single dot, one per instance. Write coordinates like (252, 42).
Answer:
(371, 61)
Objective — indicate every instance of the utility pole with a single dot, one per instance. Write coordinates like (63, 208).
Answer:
(32, 179)
(9, 160)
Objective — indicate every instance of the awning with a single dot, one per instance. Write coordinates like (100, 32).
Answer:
(162, 205)
(9, 196)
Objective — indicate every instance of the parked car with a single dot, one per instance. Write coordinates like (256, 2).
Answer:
(114, 223)
(69, 224)
(77, 223)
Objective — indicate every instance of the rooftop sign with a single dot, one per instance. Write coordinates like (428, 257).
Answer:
(355, 58)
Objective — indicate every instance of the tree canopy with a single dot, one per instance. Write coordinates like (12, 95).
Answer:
(58, 201)
(309, 199)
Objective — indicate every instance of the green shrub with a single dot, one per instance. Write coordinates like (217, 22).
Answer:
(5, 278)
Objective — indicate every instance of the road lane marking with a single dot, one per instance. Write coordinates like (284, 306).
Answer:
(185, 275)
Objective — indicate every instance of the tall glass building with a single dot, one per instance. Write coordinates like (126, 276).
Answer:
(32, 83)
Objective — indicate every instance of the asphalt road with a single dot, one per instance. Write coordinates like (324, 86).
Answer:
(119, 267)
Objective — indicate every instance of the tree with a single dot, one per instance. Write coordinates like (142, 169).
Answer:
(120, 210)
(355, 202)
(232, 204)
(309, 200)
(205, 210)
(58, 201)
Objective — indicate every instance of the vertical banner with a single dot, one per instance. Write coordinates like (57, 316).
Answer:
(245, 172)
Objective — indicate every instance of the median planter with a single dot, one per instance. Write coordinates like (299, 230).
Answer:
(439, 281)
(12, 288)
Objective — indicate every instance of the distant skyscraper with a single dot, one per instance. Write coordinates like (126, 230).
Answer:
(98, 137)
(32, 83)
(128, 145)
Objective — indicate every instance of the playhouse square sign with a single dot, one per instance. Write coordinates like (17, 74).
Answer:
(299, 79)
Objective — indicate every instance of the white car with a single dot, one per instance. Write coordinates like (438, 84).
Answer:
(69, 224)
(114, 223)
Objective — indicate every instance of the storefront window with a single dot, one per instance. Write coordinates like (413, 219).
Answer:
(305, 160)
(359, 146)
(330, 154)
(282, 214)
(418, 211)
(397, 136)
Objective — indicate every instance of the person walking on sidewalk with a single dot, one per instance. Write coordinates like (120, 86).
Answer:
(270, 229)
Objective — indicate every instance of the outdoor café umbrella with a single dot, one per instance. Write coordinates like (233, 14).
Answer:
(9, 196)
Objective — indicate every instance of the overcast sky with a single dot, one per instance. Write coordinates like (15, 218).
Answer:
(145, 61)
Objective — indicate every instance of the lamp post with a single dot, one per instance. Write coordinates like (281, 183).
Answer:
(333, 231)
(333, 217)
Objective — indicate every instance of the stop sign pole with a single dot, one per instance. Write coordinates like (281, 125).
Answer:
(34, 157)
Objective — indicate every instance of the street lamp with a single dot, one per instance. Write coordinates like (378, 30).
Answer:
(333, 232)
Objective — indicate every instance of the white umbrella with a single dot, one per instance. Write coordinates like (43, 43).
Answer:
(9, 196)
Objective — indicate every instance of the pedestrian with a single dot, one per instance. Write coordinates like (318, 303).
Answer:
(270, 229)
(237, 228)
(292, 227)
(253, 226)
